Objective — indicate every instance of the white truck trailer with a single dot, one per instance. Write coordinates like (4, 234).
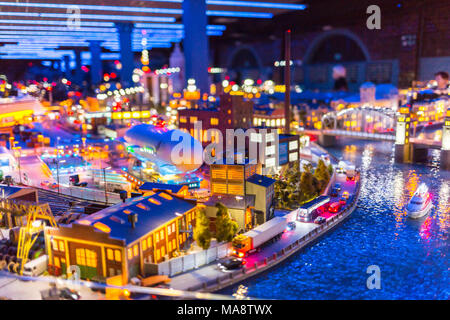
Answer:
(250, 241)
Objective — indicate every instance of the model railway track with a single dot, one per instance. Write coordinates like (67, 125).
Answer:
(63, 205)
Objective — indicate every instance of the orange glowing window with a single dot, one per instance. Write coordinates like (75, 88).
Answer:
(157, 237)
(126, 211)
(161, 234)
(135, 250)
(117, 255)
(102, 227)
(165, 196)
(144, 245)
(142, 206)
(84, 222)
(61, 246)
(110, 254)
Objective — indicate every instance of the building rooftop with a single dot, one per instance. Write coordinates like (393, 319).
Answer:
(261, 180)
(153, 211)
(149, 186)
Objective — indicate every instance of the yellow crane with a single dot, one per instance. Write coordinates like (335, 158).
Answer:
(37, 214)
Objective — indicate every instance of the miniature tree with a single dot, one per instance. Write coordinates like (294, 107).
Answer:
(202, 234)
(225, 227)
(330, 169)
(307, 188)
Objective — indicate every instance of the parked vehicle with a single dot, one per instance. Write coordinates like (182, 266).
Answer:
(36, 267)
(320, 220)
(334, 192)
(250, 241)
(310, 210)
(351, 173)
(69, 294)
(291, 226)
(345, 195)
(334, 207)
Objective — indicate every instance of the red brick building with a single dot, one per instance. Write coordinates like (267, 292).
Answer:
(233, 112)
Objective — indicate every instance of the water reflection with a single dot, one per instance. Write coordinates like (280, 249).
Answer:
(412, 253)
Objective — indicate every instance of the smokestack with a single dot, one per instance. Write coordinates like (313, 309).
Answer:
(133, 218)
(287, 80)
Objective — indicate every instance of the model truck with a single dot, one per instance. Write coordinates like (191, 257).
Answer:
(252, 240)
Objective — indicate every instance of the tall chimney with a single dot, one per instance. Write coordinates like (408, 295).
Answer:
(133, 218)
(287, 80)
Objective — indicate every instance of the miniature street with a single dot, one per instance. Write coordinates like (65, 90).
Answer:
(210, 273)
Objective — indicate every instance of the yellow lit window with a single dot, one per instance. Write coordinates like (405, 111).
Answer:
(91, 258)
(214, 121)
(117, 255)
(174, 244)
(163, 251)
(61, 246)
(81, 257)
(130, 253)
(149, 242)
(158, 254)
(161, 234)
(135, 250)
(144, 245)
(55, 245)
(182, 119)
(193, 119)
(170, 246)
(57, 263)
(157, 237)
(110, 254)
(169, 230)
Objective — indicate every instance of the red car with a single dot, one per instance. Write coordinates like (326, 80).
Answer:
(334, 207)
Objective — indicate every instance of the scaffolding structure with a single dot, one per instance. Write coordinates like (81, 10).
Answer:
(31, 218)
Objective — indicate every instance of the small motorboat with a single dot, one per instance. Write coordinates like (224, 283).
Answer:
(420, 203)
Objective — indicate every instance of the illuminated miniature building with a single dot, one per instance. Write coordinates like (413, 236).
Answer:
(269, 117)
(233, 112)
(278, 149)
(247, 195)
(125, 239)
(402, 143)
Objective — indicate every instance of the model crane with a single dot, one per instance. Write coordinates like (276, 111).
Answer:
(37, 214)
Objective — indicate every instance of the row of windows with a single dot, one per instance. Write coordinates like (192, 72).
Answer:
(269, 122)
(133, 252)
(58, 245)
(86, 257)
(159, 235)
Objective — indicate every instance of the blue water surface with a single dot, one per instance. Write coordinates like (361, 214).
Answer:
(412, 255)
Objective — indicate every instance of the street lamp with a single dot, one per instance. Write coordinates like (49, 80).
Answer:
(104, 181)
(57, 161)
(17, 155)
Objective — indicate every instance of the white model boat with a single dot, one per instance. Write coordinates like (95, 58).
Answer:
(420, 203)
